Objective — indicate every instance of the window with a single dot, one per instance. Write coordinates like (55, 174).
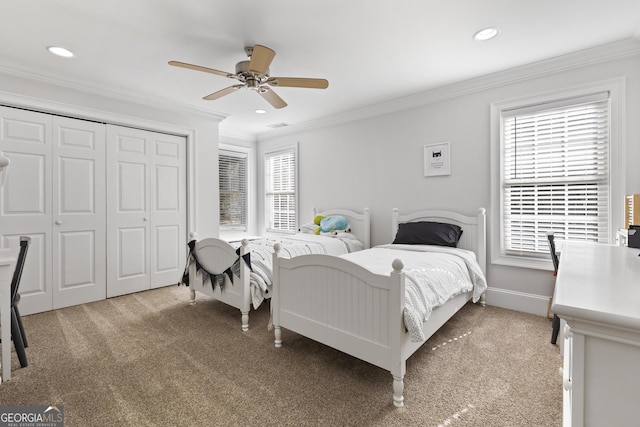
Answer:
(555, 173)
(552, 171)
(232, 173)
(280, 190)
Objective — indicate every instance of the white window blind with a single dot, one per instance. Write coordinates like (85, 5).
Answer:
(280, 190)
(555, 173)
(232, 173)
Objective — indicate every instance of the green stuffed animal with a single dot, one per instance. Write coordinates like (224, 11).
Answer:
(317, 220)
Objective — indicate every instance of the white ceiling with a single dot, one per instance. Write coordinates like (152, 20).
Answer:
(371, 51)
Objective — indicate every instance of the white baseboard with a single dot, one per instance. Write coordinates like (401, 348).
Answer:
(519, 301)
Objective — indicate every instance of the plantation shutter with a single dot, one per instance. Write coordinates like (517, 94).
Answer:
(232, 173)
(556, 173)
(281, 191)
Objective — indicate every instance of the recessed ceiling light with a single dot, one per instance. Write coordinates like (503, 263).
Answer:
(486, 34)
(60, 51)
(260, 111)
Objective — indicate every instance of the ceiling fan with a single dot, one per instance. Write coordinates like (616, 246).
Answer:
(254, 75)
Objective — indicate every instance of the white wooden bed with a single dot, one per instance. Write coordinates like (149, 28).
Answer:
(217, 255)
(343, 305)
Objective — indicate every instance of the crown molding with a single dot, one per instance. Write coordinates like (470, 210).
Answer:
(599, 54)
(238, 134)
(101, 116)
(156, 102)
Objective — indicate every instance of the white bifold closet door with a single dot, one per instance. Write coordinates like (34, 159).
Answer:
(146, 210)
(55, 194)
(105, 207)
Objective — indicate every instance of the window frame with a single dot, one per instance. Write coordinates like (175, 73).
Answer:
(616, 89)
(267, 187)
(250, 156)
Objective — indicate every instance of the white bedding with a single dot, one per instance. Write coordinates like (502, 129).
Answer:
(434, 274)
(298, 244)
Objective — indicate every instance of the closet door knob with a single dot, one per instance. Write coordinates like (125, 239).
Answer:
(58, 222)
(145, 218)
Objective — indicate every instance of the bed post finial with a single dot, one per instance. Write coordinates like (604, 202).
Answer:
(245, 242)
(277, 248)
(193, 236)
(397, 265)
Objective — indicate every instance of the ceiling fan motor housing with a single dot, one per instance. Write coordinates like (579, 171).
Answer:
(242, 71)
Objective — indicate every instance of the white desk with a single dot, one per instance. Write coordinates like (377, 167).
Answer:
(6, 273)
(598, 295)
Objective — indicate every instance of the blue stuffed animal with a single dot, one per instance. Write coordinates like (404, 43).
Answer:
(332, 223)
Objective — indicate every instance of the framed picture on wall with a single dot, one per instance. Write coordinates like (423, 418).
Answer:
(437, 159)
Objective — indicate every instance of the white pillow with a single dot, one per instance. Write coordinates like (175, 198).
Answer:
(309, 228)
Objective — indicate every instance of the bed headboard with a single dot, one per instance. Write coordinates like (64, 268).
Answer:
(474, 228)
(360, 223)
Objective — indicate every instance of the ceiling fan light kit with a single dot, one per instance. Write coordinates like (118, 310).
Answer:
(254, 75)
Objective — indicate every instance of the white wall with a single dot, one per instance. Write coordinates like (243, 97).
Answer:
(200, 129)
(378, 161)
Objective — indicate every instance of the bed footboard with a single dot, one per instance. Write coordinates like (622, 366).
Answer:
(340, 304)
(216, 256)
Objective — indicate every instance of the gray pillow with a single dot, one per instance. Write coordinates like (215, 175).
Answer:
(428, 233)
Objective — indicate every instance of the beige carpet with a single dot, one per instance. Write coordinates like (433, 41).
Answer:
(150, 359)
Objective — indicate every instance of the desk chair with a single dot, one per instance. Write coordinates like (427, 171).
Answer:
(556, 262)
(17, 330)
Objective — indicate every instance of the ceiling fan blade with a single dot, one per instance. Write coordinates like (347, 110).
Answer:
(199, 68)
(272, 97)
(223, 92)
(261, 59)
(298, 82)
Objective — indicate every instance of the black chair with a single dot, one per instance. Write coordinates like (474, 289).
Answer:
(17, 330)
(556, 262)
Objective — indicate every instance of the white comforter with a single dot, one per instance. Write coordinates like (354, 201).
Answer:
(294, 245)
(434, 274)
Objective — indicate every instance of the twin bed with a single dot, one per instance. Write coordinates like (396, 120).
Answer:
(379, 304)
(252, 285)
(347, 302)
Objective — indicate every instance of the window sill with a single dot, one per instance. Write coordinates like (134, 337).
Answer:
(280, 233)
(523, 262)
(233, 236)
